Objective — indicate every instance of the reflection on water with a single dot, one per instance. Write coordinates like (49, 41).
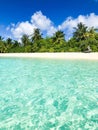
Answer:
(48, 94)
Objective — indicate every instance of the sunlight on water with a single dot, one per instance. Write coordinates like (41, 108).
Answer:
(48, 94)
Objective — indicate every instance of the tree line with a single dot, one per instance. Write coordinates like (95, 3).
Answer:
(83, 40)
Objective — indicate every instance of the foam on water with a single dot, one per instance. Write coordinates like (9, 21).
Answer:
(48, 94)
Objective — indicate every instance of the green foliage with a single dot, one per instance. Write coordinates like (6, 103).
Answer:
(36, 36)
(83, 39)
(58, 37)
(2, 47)
(80, 32)
(25, 40)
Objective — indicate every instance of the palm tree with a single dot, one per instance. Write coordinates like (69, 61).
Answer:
(1, 38)
(36, 35)
(16, 43)
(25, 40)
(9, 41)
(3, 47)
(92, 32)
(80, 32)
(58, 37)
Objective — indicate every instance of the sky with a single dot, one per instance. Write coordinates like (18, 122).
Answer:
(18, 17)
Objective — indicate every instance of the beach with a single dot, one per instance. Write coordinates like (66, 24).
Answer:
(67, 55)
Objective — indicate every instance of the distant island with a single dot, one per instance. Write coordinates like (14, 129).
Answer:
(84, 39)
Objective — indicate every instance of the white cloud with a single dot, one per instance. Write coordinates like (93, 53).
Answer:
(51, 31)
(23, 28)
(38, 20)
(41, 21)
(68, 25)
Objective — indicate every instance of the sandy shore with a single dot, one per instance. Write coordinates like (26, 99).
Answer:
(86, 56)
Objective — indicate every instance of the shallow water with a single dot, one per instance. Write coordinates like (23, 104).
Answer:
(39, 94)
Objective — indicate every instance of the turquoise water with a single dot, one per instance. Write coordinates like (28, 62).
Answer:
(38, 94)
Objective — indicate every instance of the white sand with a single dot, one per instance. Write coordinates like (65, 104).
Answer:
(73, 55)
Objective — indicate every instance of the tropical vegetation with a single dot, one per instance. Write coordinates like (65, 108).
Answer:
(83, 39)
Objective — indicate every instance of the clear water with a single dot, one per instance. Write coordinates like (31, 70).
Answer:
(40, 94)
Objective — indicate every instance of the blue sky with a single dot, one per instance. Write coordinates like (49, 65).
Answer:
(17, 16)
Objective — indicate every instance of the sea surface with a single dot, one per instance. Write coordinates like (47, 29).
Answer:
(44, 94)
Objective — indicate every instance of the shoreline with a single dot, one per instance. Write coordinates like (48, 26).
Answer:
(65, 55)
